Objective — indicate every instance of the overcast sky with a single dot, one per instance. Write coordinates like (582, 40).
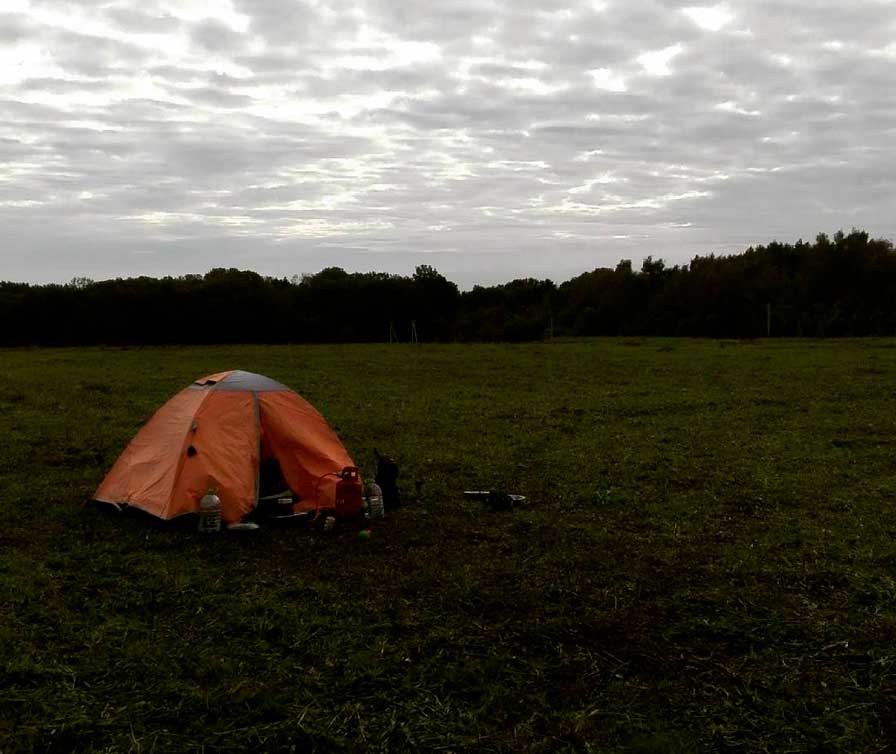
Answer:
(491, 139)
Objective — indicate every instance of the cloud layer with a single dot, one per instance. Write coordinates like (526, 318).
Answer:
(490, 138)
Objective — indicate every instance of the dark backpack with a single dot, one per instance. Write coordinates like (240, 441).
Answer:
(387, 479)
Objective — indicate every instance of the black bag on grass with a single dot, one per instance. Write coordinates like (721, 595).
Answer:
(387, 479)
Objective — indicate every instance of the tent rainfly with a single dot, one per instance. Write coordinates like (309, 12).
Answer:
(217, 433)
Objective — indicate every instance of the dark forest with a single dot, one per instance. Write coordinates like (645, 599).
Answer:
(837, 286)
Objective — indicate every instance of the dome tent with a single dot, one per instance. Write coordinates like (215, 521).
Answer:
(216, 433)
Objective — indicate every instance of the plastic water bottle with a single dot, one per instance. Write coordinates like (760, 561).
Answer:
(375, 501)
(210, 513)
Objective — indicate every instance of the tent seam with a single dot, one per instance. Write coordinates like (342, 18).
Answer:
(257, 407)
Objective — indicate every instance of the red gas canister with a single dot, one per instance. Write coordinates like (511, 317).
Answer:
(349, 493)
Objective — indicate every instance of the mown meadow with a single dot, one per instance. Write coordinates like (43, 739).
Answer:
(706, 561)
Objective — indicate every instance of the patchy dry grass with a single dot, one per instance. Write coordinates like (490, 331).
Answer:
(706, 562)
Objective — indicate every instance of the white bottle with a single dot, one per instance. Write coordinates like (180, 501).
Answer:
(210, 513)
(375, 501)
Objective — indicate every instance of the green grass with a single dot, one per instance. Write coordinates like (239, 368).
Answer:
(707, 561)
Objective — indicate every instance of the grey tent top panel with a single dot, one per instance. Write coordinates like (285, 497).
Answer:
(238, 380)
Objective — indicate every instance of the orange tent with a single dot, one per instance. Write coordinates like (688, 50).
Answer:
(216, 433)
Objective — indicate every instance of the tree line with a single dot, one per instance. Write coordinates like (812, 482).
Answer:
(843, 285)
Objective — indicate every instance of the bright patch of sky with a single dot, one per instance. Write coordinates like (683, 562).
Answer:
(656, 62)
(604, 78)
(733, 107)
(709, 18)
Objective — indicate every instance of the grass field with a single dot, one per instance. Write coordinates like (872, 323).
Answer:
(706, 561)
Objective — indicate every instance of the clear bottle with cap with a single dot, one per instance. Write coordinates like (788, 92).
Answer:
(375, 501)
(210, 512)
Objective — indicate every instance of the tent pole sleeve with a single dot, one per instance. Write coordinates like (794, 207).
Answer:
(257, 409)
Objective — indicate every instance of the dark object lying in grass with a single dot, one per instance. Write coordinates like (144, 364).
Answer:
(387, 479)
(498, 500)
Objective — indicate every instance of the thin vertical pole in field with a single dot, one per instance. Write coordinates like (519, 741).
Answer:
(414, 331)
(393, 338)
(768, 320)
